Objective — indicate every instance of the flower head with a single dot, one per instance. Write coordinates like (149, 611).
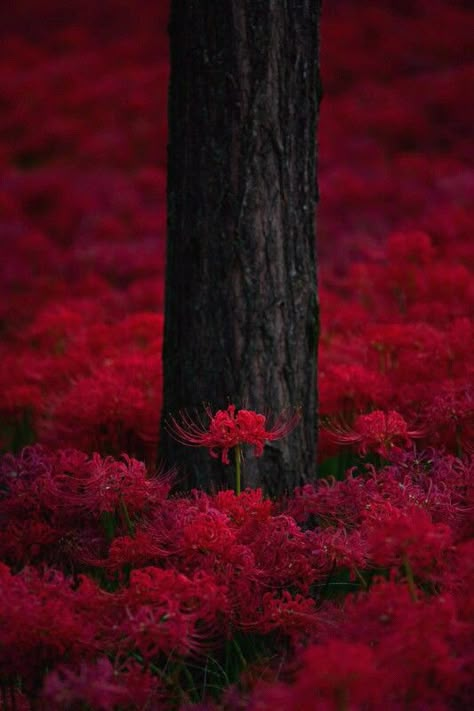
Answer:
(381, 432)
(228, 428)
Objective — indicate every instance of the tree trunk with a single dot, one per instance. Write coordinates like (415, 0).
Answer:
(241, 314)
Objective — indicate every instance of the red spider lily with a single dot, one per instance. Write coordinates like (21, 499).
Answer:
(394, 534)
(381, 432)
(294, 616)
(93, 683)
(98, 684)
(227, 429)
(337, 675)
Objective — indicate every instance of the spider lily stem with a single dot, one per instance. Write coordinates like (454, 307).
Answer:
(238, 459)
(410, 579)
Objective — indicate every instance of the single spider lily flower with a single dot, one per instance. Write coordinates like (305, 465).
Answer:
(230, 428)
(380, 432)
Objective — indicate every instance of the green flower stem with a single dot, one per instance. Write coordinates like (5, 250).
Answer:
(361, 578)
(183, 669)
(237, 648)
(342, 699)
(108, 524)
(126, 517)
(410, 579)
(238, 458)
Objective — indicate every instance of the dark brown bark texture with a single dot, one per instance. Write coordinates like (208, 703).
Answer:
(241, 314)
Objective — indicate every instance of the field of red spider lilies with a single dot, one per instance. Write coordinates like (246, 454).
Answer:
(355, 594)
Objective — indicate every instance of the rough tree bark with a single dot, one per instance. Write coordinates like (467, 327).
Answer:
(241, 314)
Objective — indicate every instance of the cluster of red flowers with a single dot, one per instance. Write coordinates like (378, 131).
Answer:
(354, 593)
(104, 570)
